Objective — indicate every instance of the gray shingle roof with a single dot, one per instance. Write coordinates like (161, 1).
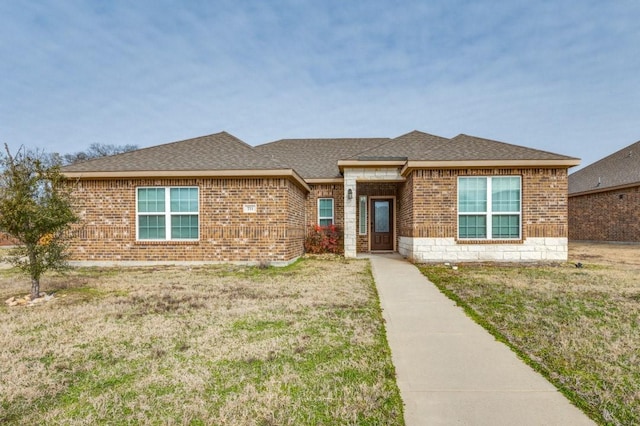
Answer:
(419, 146)
(310, 158)
(317, 158)
(220, 151)
(618, 169)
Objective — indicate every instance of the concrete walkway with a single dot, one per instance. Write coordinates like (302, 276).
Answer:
(450, 370)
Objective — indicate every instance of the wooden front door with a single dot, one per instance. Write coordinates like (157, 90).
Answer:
(382, 237)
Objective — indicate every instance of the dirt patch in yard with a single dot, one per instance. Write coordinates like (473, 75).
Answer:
(220, 344)
(627, 255)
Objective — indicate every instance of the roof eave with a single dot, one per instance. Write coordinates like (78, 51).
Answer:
(562, 163)
(268, 173)
(605, 189)
(370, 163)
(324, 180)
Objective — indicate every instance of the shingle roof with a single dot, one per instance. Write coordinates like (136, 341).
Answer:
(420, 146)
(220, 151)
(317, 158)
(618, 169)
(310, 158)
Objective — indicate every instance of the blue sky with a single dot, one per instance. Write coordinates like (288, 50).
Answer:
(559, 75)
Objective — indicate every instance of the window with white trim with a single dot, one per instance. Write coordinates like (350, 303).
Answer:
(362, 215)
(167, 213)
(325, 211)
(489, 207)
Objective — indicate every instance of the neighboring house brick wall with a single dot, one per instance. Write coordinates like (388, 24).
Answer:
(7, 240)
(431, 233)
(107, 231)
(606, 216)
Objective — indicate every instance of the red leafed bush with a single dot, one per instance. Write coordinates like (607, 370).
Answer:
(323, 239)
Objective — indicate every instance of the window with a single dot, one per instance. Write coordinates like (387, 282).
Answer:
(362, 215)
(325, 211)
(489, 207)
(168, 213)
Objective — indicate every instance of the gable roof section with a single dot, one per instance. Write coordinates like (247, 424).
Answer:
(620, 169)
(413, 145)
(311, 160)
(317, 158)
(421, 150)
(220, 151)
(220, 154)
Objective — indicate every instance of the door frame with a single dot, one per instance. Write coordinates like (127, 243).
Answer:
(393, 225)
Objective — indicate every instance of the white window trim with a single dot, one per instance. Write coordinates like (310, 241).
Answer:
(489, 213)
(333, 211)
(167, 214)
(363, 215)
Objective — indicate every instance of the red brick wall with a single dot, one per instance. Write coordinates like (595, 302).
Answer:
(335, 191)
(434, 209)
(405, 207)
(294, 239)
(275, 233)
(606, 216)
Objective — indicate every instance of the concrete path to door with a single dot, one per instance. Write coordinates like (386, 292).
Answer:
(451, 371)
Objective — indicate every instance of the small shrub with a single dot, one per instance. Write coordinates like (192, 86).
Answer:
(323, 239)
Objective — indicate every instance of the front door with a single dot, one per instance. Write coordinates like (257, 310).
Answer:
(382, 224)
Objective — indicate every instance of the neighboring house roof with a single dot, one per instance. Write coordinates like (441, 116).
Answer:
(317, 158)
(620, 169)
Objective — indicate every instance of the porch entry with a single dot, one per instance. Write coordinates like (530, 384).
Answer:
(382, 229)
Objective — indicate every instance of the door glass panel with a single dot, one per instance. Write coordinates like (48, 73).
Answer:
(382, 216)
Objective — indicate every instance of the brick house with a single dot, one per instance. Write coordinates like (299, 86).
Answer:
(217, 199)
(604, 198)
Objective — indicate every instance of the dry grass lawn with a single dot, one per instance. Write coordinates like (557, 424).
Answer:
(579, 326)
(205, 345)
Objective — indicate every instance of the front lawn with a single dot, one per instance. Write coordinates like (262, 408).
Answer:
(204, 345)
(579, 326)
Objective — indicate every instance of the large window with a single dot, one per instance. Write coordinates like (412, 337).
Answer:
(325, 211)
(168, 213)
(489, 207)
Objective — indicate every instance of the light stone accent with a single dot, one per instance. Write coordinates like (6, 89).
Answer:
(352, 175)
(447, 250)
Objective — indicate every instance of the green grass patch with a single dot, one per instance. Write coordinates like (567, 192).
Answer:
(578, 327)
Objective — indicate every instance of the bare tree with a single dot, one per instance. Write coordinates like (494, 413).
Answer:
(36, 210)
(97, 150)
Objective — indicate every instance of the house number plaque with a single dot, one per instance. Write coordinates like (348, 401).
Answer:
(250, 208)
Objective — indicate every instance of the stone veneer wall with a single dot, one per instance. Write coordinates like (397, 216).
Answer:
(275, 233)
(428, 230)
(606, 216)
(352, 177)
